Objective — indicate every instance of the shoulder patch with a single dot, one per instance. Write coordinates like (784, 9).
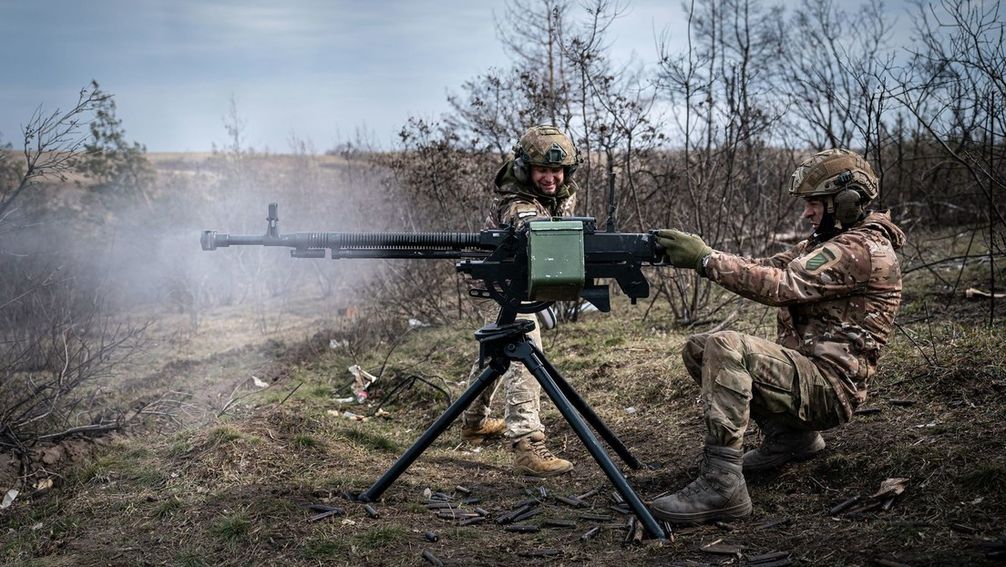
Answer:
(821, 259)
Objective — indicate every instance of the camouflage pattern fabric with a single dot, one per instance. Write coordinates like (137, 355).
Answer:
(515, 204)
(743, 377)
(837, 300)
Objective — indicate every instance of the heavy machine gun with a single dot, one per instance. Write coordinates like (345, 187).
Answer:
(548, 260)
(524, 270)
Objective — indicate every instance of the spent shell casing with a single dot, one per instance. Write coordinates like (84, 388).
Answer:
(433, 559)
(371, 511)
(630, 530)
(559, 523)
(843, 506)
(431, 537)
(529, 514)
(508, 517)
(590, 533)
(571, 501)
(321, 508)
(463, 489)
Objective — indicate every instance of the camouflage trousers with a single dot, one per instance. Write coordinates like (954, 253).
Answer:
(521, 392)
(744, 377)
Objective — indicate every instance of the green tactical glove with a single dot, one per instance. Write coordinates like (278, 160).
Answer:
(683, 250)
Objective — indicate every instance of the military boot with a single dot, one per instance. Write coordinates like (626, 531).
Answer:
(719, 493)
(531, 457)
(477, 432)
(781, 445)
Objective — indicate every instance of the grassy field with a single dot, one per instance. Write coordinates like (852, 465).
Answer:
(237, 487)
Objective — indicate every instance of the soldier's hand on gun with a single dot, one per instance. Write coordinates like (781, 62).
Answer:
(682, 249)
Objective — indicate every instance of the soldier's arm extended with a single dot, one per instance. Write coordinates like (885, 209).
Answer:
(782, 259)
(834, 269)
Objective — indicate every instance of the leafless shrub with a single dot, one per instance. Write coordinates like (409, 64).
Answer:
(56, 341)
(56, 338)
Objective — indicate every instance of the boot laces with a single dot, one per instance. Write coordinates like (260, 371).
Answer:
(541, 451)
(694, 487)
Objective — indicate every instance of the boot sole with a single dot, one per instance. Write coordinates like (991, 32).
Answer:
(540, 474)
(479, 438)
(731, 513)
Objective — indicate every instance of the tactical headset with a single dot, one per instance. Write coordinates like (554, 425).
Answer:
(848, 203)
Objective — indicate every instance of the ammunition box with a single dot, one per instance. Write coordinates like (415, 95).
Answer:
(555, 258)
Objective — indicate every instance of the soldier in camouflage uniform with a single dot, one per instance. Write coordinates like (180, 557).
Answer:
(837, 293)
(535, 183)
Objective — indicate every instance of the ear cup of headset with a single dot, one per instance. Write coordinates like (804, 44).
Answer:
(520, 164)
(848, 206)
(570, 169)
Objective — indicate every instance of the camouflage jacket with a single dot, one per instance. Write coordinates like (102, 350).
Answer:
(837, 298)
(516, 203)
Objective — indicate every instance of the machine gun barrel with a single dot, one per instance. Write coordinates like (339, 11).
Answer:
(446, 245)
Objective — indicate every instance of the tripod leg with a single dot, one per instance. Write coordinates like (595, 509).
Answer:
(442, 423)
(588, 412)
(524, 352)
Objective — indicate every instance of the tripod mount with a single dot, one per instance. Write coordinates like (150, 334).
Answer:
(500, 344)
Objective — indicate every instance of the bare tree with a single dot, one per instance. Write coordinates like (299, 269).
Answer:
(727, 114)
(56, 338)
(955, 88)
(50, 144)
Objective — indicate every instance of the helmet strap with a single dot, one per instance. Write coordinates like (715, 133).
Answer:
(828, 227)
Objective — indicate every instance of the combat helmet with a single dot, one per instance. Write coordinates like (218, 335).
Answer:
(842, 178)
(546, 146)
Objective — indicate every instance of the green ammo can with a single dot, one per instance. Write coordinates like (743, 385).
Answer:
(555, 258)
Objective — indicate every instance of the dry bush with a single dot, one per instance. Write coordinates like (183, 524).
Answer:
(56, 335)
(56, 341)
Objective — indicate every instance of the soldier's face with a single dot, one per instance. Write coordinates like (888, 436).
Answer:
(813, 210)
(546, 179)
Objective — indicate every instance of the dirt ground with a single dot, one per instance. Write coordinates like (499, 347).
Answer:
(265, 482)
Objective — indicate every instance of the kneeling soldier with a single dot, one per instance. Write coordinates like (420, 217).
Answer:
(837, 293)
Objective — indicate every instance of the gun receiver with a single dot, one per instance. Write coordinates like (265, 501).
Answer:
(501, 258)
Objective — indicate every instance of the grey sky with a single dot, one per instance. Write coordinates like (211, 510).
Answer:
(315, 69)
